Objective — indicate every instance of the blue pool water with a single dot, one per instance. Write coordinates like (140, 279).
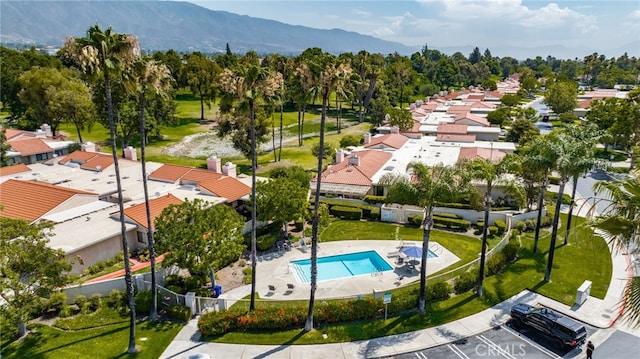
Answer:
(342, 266)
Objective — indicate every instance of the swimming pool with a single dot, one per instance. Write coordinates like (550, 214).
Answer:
(341, 266)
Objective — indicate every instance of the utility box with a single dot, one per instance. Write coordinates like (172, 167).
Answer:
(583, 292)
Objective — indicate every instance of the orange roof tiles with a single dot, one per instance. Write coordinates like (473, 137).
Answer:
(13, 133)
(169, 173)
(226, 187)
(98, 163)
(11, 170)
(31, 200)
(393, 140)
(455, 138)
(486, 153)
(473, 118)
(446, 128)
(370, 162)
(78, 157)
(458, 108)
(138, 213)
(29, 146)
(198, 175)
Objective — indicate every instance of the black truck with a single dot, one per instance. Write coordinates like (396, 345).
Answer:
(563, 331)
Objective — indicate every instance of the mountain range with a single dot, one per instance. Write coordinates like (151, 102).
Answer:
(182, 26)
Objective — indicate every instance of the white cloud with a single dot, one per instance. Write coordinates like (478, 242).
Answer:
(635, 14)
(362, 13)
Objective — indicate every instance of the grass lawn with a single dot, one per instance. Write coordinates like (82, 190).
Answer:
(107, 341)
(585, 257)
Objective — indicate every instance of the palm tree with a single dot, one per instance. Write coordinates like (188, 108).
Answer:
(149, 78)
(492, 172)
(249, 83)
(327, 75)
(109, 53)
(426, 187)
(539, 156)
(572, 156)
(620, 222)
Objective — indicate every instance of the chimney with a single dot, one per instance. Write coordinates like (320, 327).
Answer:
(130, 153)
(40, 134)
(47, 130)
(367, 138)
(339, 156)
(395, 129)
(214, 164)
(88, 147)
(229, 169)
(354, 160)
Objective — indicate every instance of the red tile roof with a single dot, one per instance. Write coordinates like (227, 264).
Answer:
(455, 138)
(29, 146)
(11, 170)
(482, 121)
(226, 187)
(371, 161)
(78, 157)
(31, 200)
(169, 173)
(98, 162)
(13, 133)
(393, 140)
(451, 129)
(138, 213)
(486, 153)
(198, 175)
(459, 109)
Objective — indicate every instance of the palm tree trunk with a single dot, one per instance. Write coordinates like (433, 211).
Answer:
(554, 231)
(571, 206)
(304, 111)
(123, 231)
(150, 240)
(483, 253)
(316, 220)
(426, 235)
(299, 127)
(254, 251)
(539, 219)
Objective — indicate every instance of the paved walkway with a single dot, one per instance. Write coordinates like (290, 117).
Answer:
(600, 313)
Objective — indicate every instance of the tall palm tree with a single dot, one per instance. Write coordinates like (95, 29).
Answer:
(572, 156)
(327, 74)
(249, 83)
(108, 53)
(426, 187)
(492, 172)
(149, 78)
(620, 222)
(539, 156)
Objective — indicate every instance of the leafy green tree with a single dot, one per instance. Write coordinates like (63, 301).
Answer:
(522, 131)
(492, 173)
(72, 102)
(327, 153)
(200, 237)
(400, 118)
(489, 85)
(620, 221)
(4, 146)
(106, 54)
(350, 140)
(30, 269)
(426, 187)
(295, 173)
(281, 200)
(510, 99)
(201, 74)
(561, 97)
(173, 61)
(34, 94)
(499, 116)
(399, 74)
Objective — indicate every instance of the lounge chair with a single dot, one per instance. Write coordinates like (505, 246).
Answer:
(272, 288)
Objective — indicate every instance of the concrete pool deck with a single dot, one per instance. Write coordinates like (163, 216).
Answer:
(274, 270)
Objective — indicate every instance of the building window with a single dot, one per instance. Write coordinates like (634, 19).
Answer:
(141, 237)
(42, 156)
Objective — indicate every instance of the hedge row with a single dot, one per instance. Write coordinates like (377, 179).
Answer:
(346, 212)
(374, 199)
(447, 215)
(367, 211)
(451, 222)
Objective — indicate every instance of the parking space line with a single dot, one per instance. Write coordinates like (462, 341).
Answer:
(492, 345)
(421, 355)
(457, 351)
(532, 343)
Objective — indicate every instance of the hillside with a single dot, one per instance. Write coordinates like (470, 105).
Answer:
(182, 26)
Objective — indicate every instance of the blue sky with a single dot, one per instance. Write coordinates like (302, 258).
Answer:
(609, 27)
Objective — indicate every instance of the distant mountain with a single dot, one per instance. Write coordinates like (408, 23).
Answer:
(182, 26)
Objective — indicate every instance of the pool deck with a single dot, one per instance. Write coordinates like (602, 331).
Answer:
(274, 270)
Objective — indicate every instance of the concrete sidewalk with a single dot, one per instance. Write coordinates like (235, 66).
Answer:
(600, 313)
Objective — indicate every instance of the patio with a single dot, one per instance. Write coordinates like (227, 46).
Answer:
(273, 270)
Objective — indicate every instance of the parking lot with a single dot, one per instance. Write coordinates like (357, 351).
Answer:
(501, 342)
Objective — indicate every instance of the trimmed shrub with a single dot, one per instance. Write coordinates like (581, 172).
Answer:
(346, 212)
(56, 301)
(248, 275)
(464, 282)
(179, 312)
(451, 222)
(531, 224)
(510, 251)
(266, 241)
(116, 299)
(493, 230)
(80, 299)
(94, 302)
(554, 180)
(546, 221)
(66, 311)
(495, 263)
(176, 289)
(374, 199)
(174, 279)
(502, 227)
(438, 291)
(446, 215)
(415, 219)
(521, 226)
(374, 214)
(192, 283)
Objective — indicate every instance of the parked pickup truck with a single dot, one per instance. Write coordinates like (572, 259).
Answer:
(564, 332)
